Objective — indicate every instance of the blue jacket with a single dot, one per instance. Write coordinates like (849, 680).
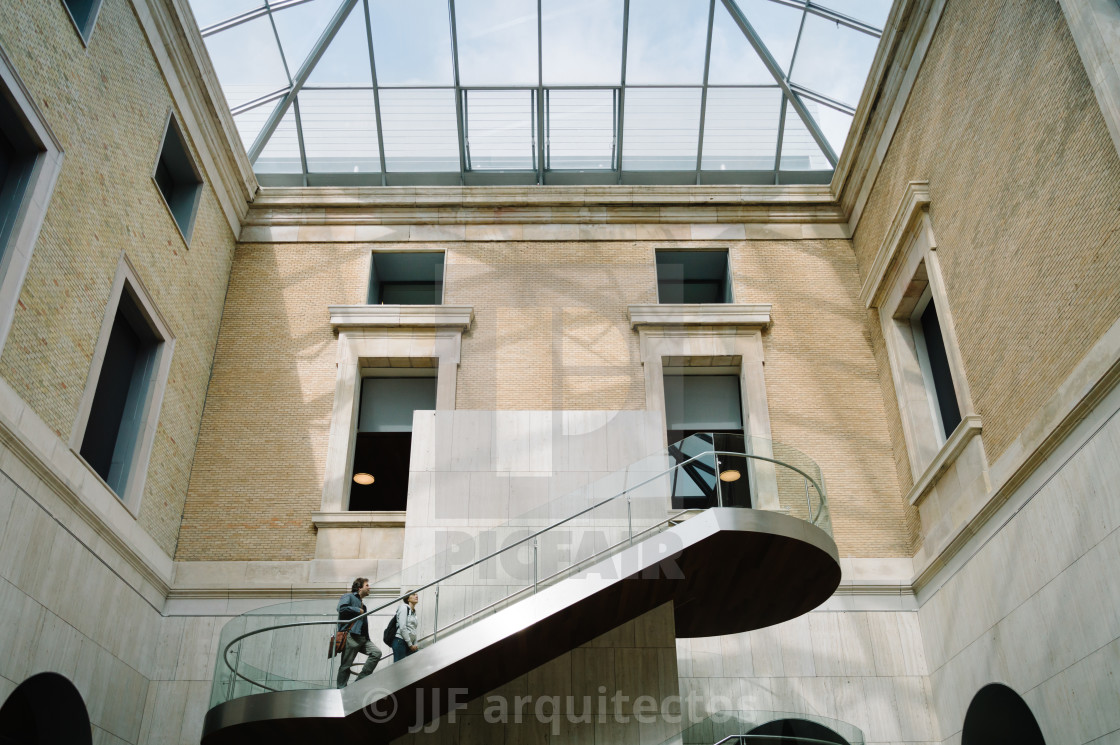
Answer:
(350, 606)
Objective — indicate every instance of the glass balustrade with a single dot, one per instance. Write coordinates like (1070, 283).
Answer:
(767, 728)
(475, 569)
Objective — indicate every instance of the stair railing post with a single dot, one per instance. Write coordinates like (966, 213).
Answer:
(629, 519)
(435, 632)
(808, 502)
(719, 489)
(535, 572)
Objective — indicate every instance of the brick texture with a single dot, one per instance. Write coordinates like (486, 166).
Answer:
(107, 105)
(1025, 182)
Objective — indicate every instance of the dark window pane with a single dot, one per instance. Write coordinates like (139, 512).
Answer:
(693, 277)
(383, 455)
(939, 366)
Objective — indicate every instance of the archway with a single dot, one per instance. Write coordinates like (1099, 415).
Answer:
(999, 716)
(45, 709)
(793, 732)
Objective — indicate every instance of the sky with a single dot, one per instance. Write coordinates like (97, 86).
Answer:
(580, 62)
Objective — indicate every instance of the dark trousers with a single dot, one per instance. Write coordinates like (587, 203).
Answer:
(400, 649)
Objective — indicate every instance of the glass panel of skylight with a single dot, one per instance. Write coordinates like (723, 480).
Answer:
(662, 129)
(799, 149)
(734, 61)
(776, 25)
(500, 130)
(209, 12)
(582, 42)
(873, 12)
(250, 123)
(419, 130)
(833, 59)
(281, 154)
(346, 59)
(835, 126)
(580, 129)
(339, 131)
(741, 129)
(300, 26)
(665, 42)
(412, 42)
(497, 41)
(247, 61)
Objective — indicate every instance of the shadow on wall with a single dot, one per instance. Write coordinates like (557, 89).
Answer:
(45, 709)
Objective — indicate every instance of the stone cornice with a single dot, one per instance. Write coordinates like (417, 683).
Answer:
(181, 54)
(358, 519)
(715, 314)
(409, 316)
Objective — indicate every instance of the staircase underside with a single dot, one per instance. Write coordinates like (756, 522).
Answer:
(726, 571)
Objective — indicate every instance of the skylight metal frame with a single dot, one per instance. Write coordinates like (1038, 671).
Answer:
(794, 96)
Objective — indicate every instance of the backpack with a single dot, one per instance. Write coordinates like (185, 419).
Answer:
(390, 631)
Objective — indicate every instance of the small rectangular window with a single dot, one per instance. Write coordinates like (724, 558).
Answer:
(382, 449)
(84, 15)
(693, 277)
(406, 278)
(116, 418)
(934, 362)
(178, 179)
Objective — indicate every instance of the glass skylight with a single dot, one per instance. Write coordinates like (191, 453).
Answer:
(542, 91)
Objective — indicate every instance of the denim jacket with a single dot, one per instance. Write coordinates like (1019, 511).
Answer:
(350, 606)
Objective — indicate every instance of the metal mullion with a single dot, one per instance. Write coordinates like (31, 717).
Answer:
(301, 77)
(279, 46)
(832, 15)
(620, 121)
(768, 59)
(797, 42)
(376, 97)
(299, 139)
(247, 16)
(266, 98)
(460, 114)
(781, 131)
(540, 99)
(821, 98)
(704, 91)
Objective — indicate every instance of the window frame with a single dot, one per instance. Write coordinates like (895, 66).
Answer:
(172, 121)
(86, 35)
(33, 203)
(127, 280)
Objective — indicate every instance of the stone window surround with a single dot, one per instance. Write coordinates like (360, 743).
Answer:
(398, 334)
(33, 208)
(705, 333)
(893, 287)
(138, 470)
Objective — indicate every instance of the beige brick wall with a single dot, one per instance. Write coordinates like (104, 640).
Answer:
(107, 105)
(550, 332)
(1025, 184)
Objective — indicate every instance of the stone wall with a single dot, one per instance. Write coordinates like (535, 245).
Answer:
(1024, 181)
(108, 105)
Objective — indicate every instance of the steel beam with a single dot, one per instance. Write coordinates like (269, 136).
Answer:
(376, 97)
(622, 85)
(704, 91)
(305, 69)
(780, 77)
(460, 114)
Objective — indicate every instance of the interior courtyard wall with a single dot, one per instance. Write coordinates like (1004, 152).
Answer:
(107, 104)
(1024, 183)
(550, 332)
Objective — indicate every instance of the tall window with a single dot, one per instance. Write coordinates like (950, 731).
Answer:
(704, 414)
(178, 179)
(382, 449)
(413, 278)
(929, 345)
(120, 407)
(693, 277)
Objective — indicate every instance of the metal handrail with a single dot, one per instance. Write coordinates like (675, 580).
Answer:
(532, 536)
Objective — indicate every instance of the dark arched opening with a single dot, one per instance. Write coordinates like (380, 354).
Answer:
(793, 732)
(45, 709)
(999, 716)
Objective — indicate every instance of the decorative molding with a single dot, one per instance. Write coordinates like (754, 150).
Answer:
(383, 519)
(1091, 381)
(715, 314)
(181, 55)
(969, 427)
(915, 200)
(409, 316)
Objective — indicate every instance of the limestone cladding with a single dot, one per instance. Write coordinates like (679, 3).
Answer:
(108, 104)
(550, 333)
(1027, 184)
